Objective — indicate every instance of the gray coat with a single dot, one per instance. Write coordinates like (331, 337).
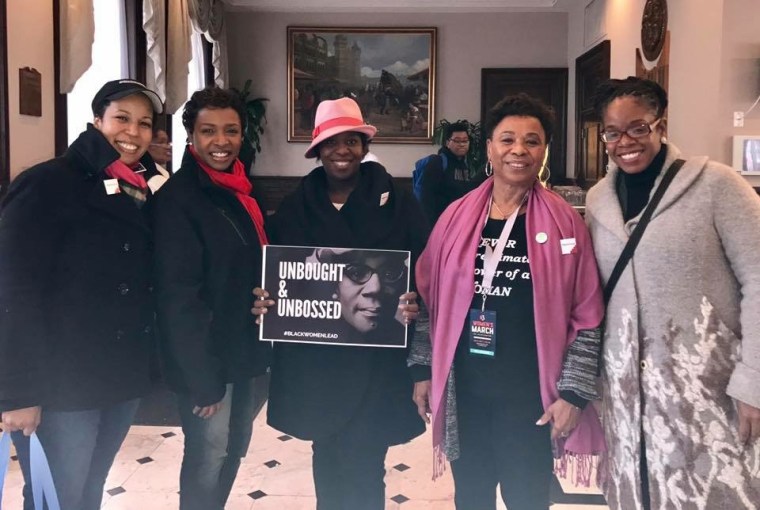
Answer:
(683, 333)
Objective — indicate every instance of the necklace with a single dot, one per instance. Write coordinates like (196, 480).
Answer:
(498, 209)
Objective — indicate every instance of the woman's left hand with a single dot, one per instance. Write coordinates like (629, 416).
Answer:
(749, 422)
(564, 417)
(408, 309)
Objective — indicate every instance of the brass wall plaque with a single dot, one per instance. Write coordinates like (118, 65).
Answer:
(30, 92)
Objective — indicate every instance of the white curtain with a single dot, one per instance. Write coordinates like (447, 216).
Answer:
(216, 33)
(154, 24)
(178, 55)
(77, 35)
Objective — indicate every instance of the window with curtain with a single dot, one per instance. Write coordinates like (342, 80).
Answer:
(109, 62)
(196, 80)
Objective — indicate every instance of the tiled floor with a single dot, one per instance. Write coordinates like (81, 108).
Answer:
(276, 474)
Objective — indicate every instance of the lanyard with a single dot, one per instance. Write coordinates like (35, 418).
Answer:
(492, 256)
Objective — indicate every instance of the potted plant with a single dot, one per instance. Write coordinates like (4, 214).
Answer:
(255, 119)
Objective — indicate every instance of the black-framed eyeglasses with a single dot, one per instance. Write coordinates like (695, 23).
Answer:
(637, 131)
(361, 273)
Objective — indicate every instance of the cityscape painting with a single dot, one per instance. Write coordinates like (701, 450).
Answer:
(389, 72)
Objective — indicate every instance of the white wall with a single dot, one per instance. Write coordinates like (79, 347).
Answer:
(466, 43)
(30, 44)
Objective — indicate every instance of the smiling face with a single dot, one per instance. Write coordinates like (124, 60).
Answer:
(370, 290)
(217, 137)
(516, 150)
(341, 156)
(632, 155)
(127, 124)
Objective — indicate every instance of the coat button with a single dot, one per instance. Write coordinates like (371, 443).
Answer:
(644, 365)
(126, 247)
(119, 334)
(146, 330)
(123, 289)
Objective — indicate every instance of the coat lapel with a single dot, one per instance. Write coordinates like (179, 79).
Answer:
(119, 205)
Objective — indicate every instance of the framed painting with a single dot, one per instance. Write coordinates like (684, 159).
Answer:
(390, 72)
(747, 154)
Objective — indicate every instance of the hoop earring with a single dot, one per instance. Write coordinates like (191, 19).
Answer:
(543, 179)
(489, 169)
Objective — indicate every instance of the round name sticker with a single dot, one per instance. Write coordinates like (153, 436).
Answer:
(541, 237)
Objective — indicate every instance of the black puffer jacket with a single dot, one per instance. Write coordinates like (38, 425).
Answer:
(208, 260)
(76, 314)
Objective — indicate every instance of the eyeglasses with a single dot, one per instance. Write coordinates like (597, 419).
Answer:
(361, 273)
(460, 141)
(637, 131)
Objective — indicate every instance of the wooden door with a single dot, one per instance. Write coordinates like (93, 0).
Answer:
(591, 69)
(547, 84)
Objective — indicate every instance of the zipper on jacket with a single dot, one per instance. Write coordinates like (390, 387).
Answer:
(240, 234)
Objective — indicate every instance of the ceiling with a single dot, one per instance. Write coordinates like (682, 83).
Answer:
(390, 5)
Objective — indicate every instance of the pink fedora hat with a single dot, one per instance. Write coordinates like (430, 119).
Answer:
(334, 117)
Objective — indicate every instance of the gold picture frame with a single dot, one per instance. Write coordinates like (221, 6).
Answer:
(390, 72)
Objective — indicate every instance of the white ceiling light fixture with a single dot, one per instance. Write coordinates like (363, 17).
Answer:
(390, 5)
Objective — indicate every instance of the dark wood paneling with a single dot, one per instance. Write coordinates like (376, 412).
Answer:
(59, 100)
(547, 84)
(591, 69)
(5, 154)
(136, 42)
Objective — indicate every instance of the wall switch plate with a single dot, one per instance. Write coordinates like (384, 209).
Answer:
(738, 119)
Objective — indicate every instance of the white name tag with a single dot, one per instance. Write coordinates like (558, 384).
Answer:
(384, 198)
(112, 186)
(567, 245)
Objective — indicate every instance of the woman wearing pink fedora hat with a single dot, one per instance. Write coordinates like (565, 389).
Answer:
(352, 402)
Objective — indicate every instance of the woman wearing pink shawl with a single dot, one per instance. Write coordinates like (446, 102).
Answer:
(515, 305)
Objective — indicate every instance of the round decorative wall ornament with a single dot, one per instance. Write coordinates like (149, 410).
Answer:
(654, 24)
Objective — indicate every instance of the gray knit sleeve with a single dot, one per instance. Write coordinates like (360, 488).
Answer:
(421, 352)
(580, 367)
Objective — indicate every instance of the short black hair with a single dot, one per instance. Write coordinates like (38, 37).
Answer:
(648, 91)
(521, 105)
(456, 127)
(211, 97)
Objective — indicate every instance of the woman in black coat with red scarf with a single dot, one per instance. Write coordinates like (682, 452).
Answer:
(352, 402)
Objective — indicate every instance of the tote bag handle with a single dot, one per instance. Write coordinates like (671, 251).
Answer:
(43, 488)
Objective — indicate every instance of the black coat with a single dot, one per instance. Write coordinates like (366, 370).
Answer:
(316, 390)
(208, 260)
(76, 312)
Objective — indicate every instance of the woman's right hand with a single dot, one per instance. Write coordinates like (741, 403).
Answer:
(261, 304)
(421, 397)
(25, 420)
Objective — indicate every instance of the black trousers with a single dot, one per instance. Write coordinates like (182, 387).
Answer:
(501, 445)
(349, 469)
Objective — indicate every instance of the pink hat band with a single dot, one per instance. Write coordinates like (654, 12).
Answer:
(338, 121)
(335, 116)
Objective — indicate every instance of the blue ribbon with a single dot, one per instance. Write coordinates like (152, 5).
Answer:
(43, 488)
(5, 455)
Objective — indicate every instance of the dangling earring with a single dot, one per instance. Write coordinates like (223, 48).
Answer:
(489, 169)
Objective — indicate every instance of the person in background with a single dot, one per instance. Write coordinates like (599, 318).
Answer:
(681, 358)
(161, 151)
(351, 402)
(515, 304)
(447, 175)
(209, 231)
(75, 292)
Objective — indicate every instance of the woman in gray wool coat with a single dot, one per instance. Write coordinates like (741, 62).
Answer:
(681, 354)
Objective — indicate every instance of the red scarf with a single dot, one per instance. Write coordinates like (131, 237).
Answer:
(238, 183)
(120, 171)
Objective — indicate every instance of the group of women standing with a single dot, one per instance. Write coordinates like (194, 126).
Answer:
(511, 275)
